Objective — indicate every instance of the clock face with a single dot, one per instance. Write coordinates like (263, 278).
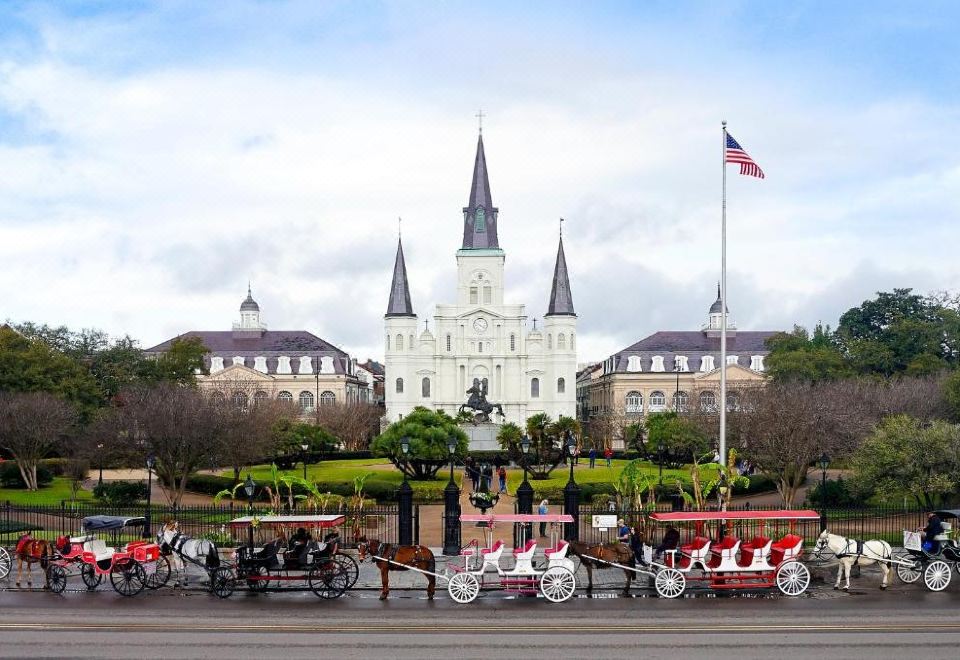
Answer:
(480, 325)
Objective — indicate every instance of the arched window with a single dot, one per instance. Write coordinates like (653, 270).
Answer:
(411, 345)
(561, 386)
(425, 388)
(328, 398)
(388, 342)
(658, 401)
(479, 347)
(573, 340)
(474, 299)
(240, 400)
(708, 401)
(259, 396)
(449, 342)
(657, 363)
(399, 386)
(549, 341)
(306, 401)
(513, 342)
(680, 401)
(218, 397)
(562, 342)
(487, 294)
(286, 397)
(633, 363)
(733, 401)
(534, 388)
(399, 342)
(634, 402)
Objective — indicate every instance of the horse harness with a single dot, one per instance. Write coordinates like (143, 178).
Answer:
(854, 548)
(391, 555)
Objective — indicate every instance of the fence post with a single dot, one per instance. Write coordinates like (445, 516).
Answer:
(451, 518)
(405, 513)
(571, 506)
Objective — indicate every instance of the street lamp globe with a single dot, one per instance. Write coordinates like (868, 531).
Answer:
(249, 486)
(304, 447)
(151, 461)
(571, 444)
(525, 443)
(405, 445)
(824, 461)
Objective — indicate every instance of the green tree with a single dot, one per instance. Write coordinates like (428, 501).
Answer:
(680, 437)
(798, 356)
(428, 432)
(905, 458)
(951, 392)
(182, 361)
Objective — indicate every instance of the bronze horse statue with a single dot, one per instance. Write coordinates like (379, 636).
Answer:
(31, 551)
(614, 553)
(478, 402)
(414, 556)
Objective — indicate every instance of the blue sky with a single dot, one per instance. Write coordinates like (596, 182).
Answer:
(154, 156)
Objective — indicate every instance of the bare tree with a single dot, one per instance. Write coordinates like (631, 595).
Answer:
(32, 426)
(353, 424)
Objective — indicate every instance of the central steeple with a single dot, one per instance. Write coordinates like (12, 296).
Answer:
(480, 215)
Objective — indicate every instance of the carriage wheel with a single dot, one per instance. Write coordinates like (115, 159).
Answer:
(349, 565)
(557, 584)
(90, 576)
(5, 563)
(793, 578)
(909, 569)
(463, 587)
(670, 583)
(56, 578)
(128, 577)
(937, 575)
(258, 585)
(329, 580)
(160, 575)
(222, 582)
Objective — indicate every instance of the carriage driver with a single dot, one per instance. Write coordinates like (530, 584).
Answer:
(930, 533)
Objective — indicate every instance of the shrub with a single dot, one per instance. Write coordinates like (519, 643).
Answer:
(835, 493)
(10, 475)
(120, 493)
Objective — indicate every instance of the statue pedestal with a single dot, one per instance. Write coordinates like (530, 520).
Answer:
(483, 437)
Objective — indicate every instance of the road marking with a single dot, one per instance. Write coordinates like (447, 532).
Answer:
(498, 628)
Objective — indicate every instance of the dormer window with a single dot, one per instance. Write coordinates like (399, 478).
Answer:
(305, 366)
(657, 364)
(326, 365)
(680, 363)
(733, 359)
(706, 363)
(756, 362)
(238, 361)
(633, 363)
(283, 365)
(260, 364)
(216, 364)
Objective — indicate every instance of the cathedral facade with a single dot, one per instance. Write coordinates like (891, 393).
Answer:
(479, 340)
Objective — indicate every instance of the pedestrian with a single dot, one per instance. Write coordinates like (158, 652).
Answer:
(543, 510)
(623, 532)
(488, 475)
(474, 474)
(502, 473)
(608, 454)
(593, 457)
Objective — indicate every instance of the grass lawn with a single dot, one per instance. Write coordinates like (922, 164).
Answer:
(59, 489)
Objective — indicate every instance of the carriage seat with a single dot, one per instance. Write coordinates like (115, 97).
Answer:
(267, 555)
(756, 549)
(696, 550)
(99, 549)
(946, 532)
(526, 552)
(558, 552)
(786, 548)
(726, 549)
(497, 548)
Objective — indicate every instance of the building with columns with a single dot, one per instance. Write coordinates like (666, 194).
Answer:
(526, 368)
(251, 362)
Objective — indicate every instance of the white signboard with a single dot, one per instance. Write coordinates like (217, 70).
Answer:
(604, 522)
(911, 540)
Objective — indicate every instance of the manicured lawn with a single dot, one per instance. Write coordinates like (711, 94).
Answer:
(59, 489)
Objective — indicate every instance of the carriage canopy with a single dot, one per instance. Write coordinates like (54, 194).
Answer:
(98, 523)
(516, 518)
(704, 516)
(318, 521)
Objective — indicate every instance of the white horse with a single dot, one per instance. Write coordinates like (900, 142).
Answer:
(201, 552)
(850, 552)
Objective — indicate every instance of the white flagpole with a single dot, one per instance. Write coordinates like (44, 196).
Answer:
(723, 306)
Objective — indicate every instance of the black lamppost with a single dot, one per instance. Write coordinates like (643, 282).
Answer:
(451, 507)
(304, 447)
(100, 458)
(722, 490)
(824, 464)
(151, 461)
(660, 460)
(525, 490)
(250, 487)
(571, 494)
(405, 502)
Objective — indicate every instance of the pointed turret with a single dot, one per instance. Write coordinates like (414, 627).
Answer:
(399, 304)
(561, 300)
(480, 215)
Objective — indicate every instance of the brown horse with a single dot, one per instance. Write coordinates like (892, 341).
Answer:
(616, 553)
(32, 551)
(415, 556)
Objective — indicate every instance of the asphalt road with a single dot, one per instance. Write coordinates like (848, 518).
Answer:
(904, 622)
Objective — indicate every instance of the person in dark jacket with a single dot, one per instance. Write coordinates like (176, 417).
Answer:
(933, 529)
(671, 540)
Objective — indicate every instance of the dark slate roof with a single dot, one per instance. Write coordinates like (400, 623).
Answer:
(480, 237)
(561, 299)
(694, 345)
(249, 305)
(271, 342)
(399, 303)
(717, 306)
(374, 367)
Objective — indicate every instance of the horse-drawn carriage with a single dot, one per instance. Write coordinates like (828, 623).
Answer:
(131, 568)
(934, 559)
(300, 564)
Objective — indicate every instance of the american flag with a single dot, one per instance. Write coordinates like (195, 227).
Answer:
(736, 154)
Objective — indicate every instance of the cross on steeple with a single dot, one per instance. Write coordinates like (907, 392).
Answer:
(480, 117)
(561, 227)
(426, 325)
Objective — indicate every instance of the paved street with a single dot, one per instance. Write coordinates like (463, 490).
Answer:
(192, 624)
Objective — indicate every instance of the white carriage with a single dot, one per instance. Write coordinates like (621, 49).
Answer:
(555, 580)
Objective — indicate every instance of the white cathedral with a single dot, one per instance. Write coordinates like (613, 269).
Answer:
(479, 339)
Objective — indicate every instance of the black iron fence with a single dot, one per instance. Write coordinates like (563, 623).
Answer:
(885, 523)
(210, 522)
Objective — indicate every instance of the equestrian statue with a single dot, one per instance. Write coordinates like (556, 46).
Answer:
(479, 404)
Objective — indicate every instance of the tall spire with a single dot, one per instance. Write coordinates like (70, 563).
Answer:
(561, 300)
(480, 215)
(399, 304)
